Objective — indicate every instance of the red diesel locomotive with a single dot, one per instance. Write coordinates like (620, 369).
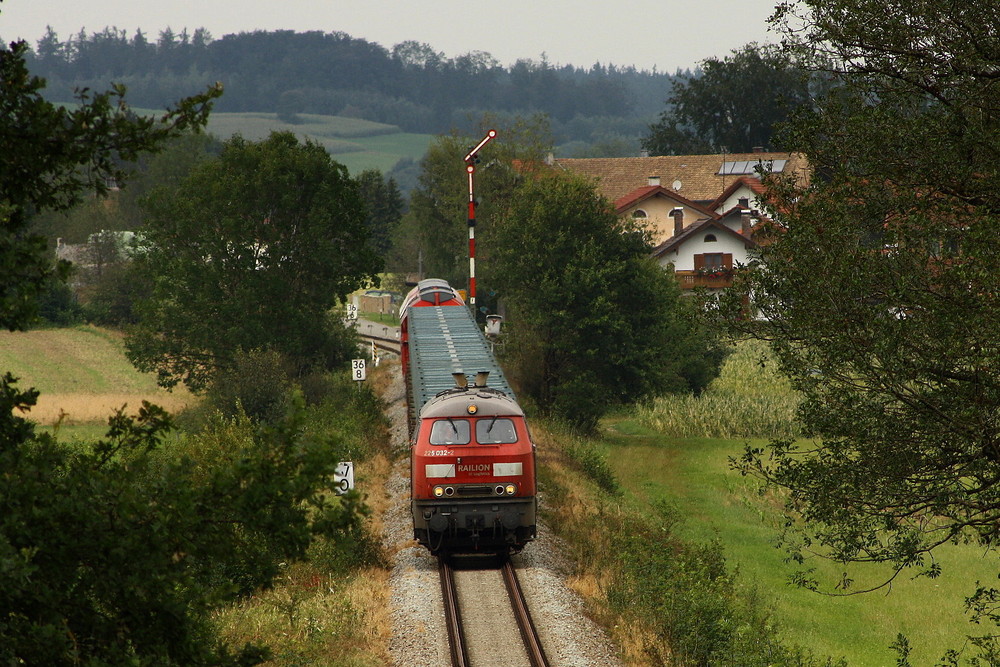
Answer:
(472, 463)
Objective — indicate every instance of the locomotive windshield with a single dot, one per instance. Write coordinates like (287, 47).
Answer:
(489, 431)
(495, 431)
(450, 432)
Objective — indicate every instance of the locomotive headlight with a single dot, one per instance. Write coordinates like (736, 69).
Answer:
(438, 491)
(511, 489)
(472, 409)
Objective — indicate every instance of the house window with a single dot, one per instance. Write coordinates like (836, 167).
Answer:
(713, 261)
(639, 213)
(710, 238)
(710, 262)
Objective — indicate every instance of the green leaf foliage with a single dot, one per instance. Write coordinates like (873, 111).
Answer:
(434, 234)
(50, 157)
(251, 251)
(385, 207)
(594, 320)
(114, 553)
(733, 105)
(880, 291)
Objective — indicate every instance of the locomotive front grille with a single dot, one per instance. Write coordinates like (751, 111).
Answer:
(471, 490)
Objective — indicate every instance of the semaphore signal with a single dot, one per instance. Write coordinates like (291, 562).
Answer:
(470, 168)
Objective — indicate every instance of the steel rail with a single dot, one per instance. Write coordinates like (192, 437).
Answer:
(529, 635)
(387, 344)
(453, 619)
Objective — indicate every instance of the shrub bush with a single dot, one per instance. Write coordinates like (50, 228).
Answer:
(115, 552)
(58, 305)
(256, 383)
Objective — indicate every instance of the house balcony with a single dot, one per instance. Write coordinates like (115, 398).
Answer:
(718, 280)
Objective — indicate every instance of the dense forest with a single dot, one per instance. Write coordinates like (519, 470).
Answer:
(410, 85)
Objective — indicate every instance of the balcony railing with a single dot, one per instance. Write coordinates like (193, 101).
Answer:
(692, 279)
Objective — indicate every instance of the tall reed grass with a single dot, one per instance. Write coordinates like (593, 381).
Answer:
(749, 399)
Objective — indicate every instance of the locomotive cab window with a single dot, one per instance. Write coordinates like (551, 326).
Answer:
(450, 432)
(495, 431)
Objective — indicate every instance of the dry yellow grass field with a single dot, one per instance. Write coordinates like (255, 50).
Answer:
(82, 374)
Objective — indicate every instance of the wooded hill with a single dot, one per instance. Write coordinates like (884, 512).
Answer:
(601, 110)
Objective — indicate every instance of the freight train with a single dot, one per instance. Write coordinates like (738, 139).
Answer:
(472, 460)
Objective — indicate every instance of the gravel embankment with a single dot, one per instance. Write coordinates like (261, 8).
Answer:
(419, 636)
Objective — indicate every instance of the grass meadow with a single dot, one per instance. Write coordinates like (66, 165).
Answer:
(678, 451)
(83, 376)
(355, 143)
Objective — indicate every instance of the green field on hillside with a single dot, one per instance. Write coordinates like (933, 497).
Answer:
(81, 372)
(694, 475)
(355, 143)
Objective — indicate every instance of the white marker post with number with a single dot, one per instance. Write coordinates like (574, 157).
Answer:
(343, 477)
(359, 372)
(352, 312)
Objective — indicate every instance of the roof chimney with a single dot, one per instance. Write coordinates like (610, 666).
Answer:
(745, 221)
(678, 215)
(653, 180)
(461, 381)
(481, 378)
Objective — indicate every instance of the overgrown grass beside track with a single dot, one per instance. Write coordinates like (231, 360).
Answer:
(665, 599)
(333, 609)
(677, 552)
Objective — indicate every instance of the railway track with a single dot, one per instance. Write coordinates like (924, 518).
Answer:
(486, 613)
(384, 337)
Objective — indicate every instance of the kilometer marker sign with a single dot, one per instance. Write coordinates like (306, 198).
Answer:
(358, 370)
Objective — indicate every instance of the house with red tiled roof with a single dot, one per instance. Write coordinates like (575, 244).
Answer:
(705, 253)
(748, 188)
(699, 178)
(659, 209)
(701, 209)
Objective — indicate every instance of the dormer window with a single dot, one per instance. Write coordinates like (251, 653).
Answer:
(639, 214)
(710, 238)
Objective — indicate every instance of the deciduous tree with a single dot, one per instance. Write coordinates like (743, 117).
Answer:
(436, 226)
(880, 291)
(113, 552)
(52, 157)
(250, 252)
(594, 321)
(733, 104)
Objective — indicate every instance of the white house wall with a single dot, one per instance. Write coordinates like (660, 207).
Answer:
(742, 193)
(658, 218)
(683, 257)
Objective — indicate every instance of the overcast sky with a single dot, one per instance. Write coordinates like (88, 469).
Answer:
(665, 34)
